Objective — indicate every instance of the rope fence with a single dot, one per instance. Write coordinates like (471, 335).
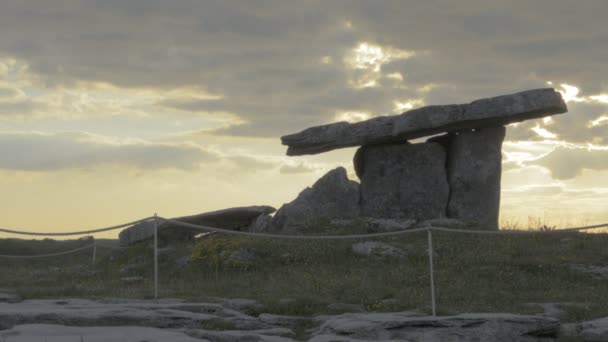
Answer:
(47, 255)
(203, 228)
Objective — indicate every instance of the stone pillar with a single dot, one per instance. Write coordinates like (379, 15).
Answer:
(474, 170)
(402, 180)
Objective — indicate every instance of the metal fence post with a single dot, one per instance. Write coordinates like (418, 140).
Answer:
(155, 257)
(430, 249)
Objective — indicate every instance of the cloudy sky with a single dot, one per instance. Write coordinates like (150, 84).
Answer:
(111, 110)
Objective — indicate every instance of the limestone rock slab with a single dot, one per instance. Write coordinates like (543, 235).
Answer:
(464, 327)
(404, 181)
(238, 218)
(332, 196)
(426, 121)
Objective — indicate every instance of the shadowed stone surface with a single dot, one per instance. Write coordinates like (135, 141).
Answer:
(9, 296)
(332, 196)
(474, 172)
(425, 121)
(404, 181)
(408, 327)
(239, 218)
(173, 320)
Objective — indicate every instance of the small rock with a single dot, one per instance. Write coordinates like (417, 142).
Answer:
(241, 256)
(132, 280)
(183, 261)
(9, 296)
(377, 249)
(241, 304)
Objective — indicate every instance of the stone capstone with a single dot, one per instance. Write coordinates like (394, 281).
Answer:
(427, 121)
(239, 218)
(403, 181)
(474, 165)
(332, 196)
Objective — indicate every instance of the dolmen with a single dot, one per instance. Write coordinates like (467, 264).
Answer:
(252, 218)
(454, 174)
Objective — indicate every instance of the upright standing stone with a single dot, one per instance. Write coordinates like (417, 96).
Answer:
(403, 181)
(333, 196)
(474, 169)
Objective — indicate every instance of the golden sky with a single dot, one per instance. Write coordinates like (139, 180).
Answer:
(113, 110)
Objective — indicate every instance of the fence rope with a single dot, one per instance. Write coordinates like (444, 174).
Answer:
(291, 237)
(362, 236)
(47, 255)
(498, 232)
(77, 233)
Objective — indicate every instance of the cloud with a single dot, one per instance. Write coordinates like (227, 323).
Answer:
(569, 162)
(300, 167)
(274, 62)
(195, 105)
(51, 152)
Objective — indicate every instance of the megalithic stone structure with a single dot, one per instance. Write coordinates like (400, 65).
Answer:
(456, 175)
(426, 121)
(402, 181)
(473, 168)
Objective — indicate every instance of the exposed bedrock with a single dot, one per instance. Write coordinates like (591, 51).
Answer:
(474, 172)
(403, 181)
(426, 121)
(332, 196)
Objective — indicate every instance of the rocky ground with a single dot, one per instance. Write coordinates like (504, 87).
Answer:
(173, 320)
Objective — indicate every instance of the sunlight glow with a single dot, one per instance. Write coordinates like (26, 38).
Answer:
(403, 106)
(570, 92)
(367, 56)
(352, 116)
(395, 76)
(543, 133)
(602, 120)
(367, 59)
(371, 57)
(548, 120)
(600, 98)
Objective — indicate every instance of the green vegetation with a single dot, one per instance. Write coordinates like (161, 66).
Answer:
(473, 273)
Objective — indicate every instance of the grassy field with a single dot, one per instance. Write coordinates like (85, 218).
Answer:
(473, 273)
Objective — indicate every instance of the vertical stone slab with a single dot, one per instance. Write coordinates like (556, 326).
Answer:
(332, 196)
(403, 181)
(474, 171)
